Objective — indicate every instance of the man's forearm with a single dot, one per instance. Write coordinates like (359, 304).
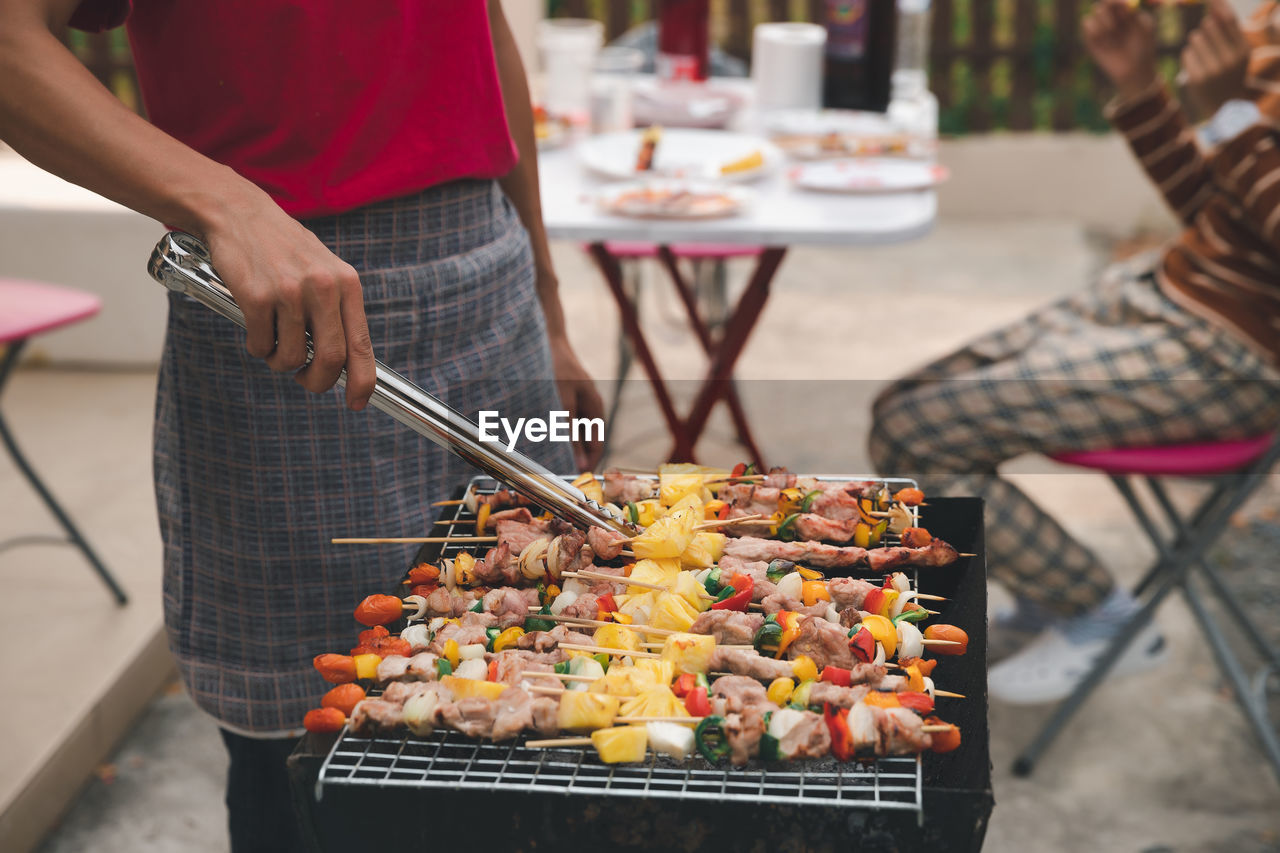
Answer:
(521, 184)
(58, 116)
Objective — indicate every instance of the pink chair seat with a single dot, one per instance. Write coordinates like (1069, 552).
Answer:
(1186, 460)
(29, 307)
(627, 250)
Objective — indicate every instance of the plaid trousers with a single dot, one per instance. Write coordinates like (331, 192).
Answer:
(254, 474)
(1116, 365)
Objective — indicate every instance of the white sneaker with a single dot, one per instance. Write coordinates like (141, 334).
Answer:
(1050, 667)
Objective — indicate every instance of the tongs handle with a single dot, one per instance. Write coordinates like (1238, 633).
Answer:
(182, 263)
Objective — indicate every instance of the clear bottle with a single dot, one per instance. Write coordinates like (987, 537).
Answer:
(913, 110)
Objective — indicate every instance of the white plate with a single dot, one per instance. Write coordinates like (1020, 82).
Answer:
(681, 153)
(834, 134)
(673, 199)
(869, 175)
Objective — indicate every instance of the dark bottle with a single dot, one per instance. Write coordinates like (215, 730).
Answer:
(683, 39)
(859, 54)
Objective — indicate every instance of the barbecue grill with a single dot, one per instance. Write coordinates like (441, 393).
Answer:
(509, 797)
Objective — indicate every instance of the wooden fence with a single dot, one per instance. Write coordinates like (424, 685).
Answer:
(994, 64)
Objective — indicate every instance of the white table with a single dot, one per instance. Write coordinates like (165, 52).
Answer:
(779, 217)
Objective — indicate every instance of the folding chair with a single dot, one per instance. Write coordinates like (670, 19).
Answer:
(28, 308)
(1235, 469)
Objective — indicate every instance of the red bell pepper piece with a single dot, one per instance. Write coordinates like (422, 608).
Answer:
(723, 512)
(738, 471)
(685, 683)
(697, 703)
(605, 604)
(874, 602)
(744, 584)
(493, 669)
(837, 720)
(863, 645)
(919, 702)
(835, 675)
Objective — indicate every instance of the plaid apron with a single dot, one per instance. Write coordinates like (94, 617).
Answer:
(1116, 365)
(254, 474)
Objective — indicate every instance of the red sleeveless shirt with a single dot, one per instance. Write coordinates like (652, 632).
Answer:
(326, 104)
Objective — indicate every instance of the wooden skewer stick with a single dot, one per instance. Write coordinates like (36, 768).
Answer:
(923, 597)
(558, 742)
(560, 691)
(642, 719)
(744, 648)
(622, 579)
(598, 650)
(410, 540)
(449, 503)
(941, 642)
(931, 729)
(724, 522)
(600, 623)
(948, 694)
(563, 676)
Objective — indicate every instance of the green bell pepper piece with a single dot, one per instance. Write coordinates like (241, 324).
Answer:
(911, 616)
(767, 637)
(633, 512)
(562, 668)
(603, 660)
(712, 582)
(808, 500)
(768, 747)
(779, 569)
(710, 739)
(478, 607)
(786, 530)
(443, 667)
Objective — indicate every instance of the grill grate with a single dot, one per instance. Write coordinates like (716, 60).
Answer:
(449, 760)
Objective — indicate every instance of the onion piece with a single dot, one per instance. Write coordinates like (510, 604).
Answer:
(671, 739)
(563, 600)
(471, 502)
(900, 603)
(928, 687)
(900, 581)
(879, 659)
(910, 641)
(435, 624)
(576, 586)
(531, 562)
(418, 601)
(417, 636)
(473, 668)
(832, 614)
(419, 710)
(472, 651)
(447, 575)
(792, 585)
(553, 558)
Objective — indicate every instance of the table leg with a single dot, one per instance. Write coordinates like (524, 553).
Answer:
(629, 315)
(720, 374)
(703, 332)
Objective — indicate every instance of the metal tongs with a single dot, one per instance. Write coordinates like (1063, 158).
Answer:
(182, 263)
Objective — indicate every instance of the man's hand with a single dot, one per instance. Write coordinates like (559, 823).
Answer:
(1121, 40)
(1215, 60)
(579, 395)
(288, 283)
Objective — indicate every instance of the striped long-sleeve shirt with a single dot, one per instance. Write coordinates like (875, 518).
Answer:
(1225, 265)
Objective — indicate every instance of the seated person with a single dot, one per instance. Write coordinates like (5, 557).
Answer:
(1179, 347)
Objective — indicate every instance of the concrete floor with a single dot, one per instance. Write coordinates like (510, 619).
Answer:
(1161, 761)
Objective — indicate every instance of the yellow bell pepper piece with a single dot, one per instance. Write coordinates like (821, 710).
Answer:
(583, 712)
(465, 688)
(862, 534)
(789, 500)
(780, 690)
(711, 509)
(886, 607)
(804, 669)
(507, 639)
(650, 511)
(621, 744)
(814, 591)
(464, 569)
(689, 652)
(883, 631)
(367, 665)
(809, 574)
(616, 637)
(915, 681)
(666, 537)
(672, 612)
(482, 518)
(450, 652)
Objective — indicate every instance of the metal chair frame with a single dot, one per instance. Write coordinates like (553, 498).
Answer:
(74, 536)
(1180, 558)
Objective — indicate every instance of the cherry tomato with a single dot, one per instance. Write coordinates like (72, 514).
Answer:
(916, 537)
(324, 720)
(947, 632)
(424, 574)
(943, 741)
(336, 669)
(343, 697)
(921, 703)
(378, 610)
(909, 496)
